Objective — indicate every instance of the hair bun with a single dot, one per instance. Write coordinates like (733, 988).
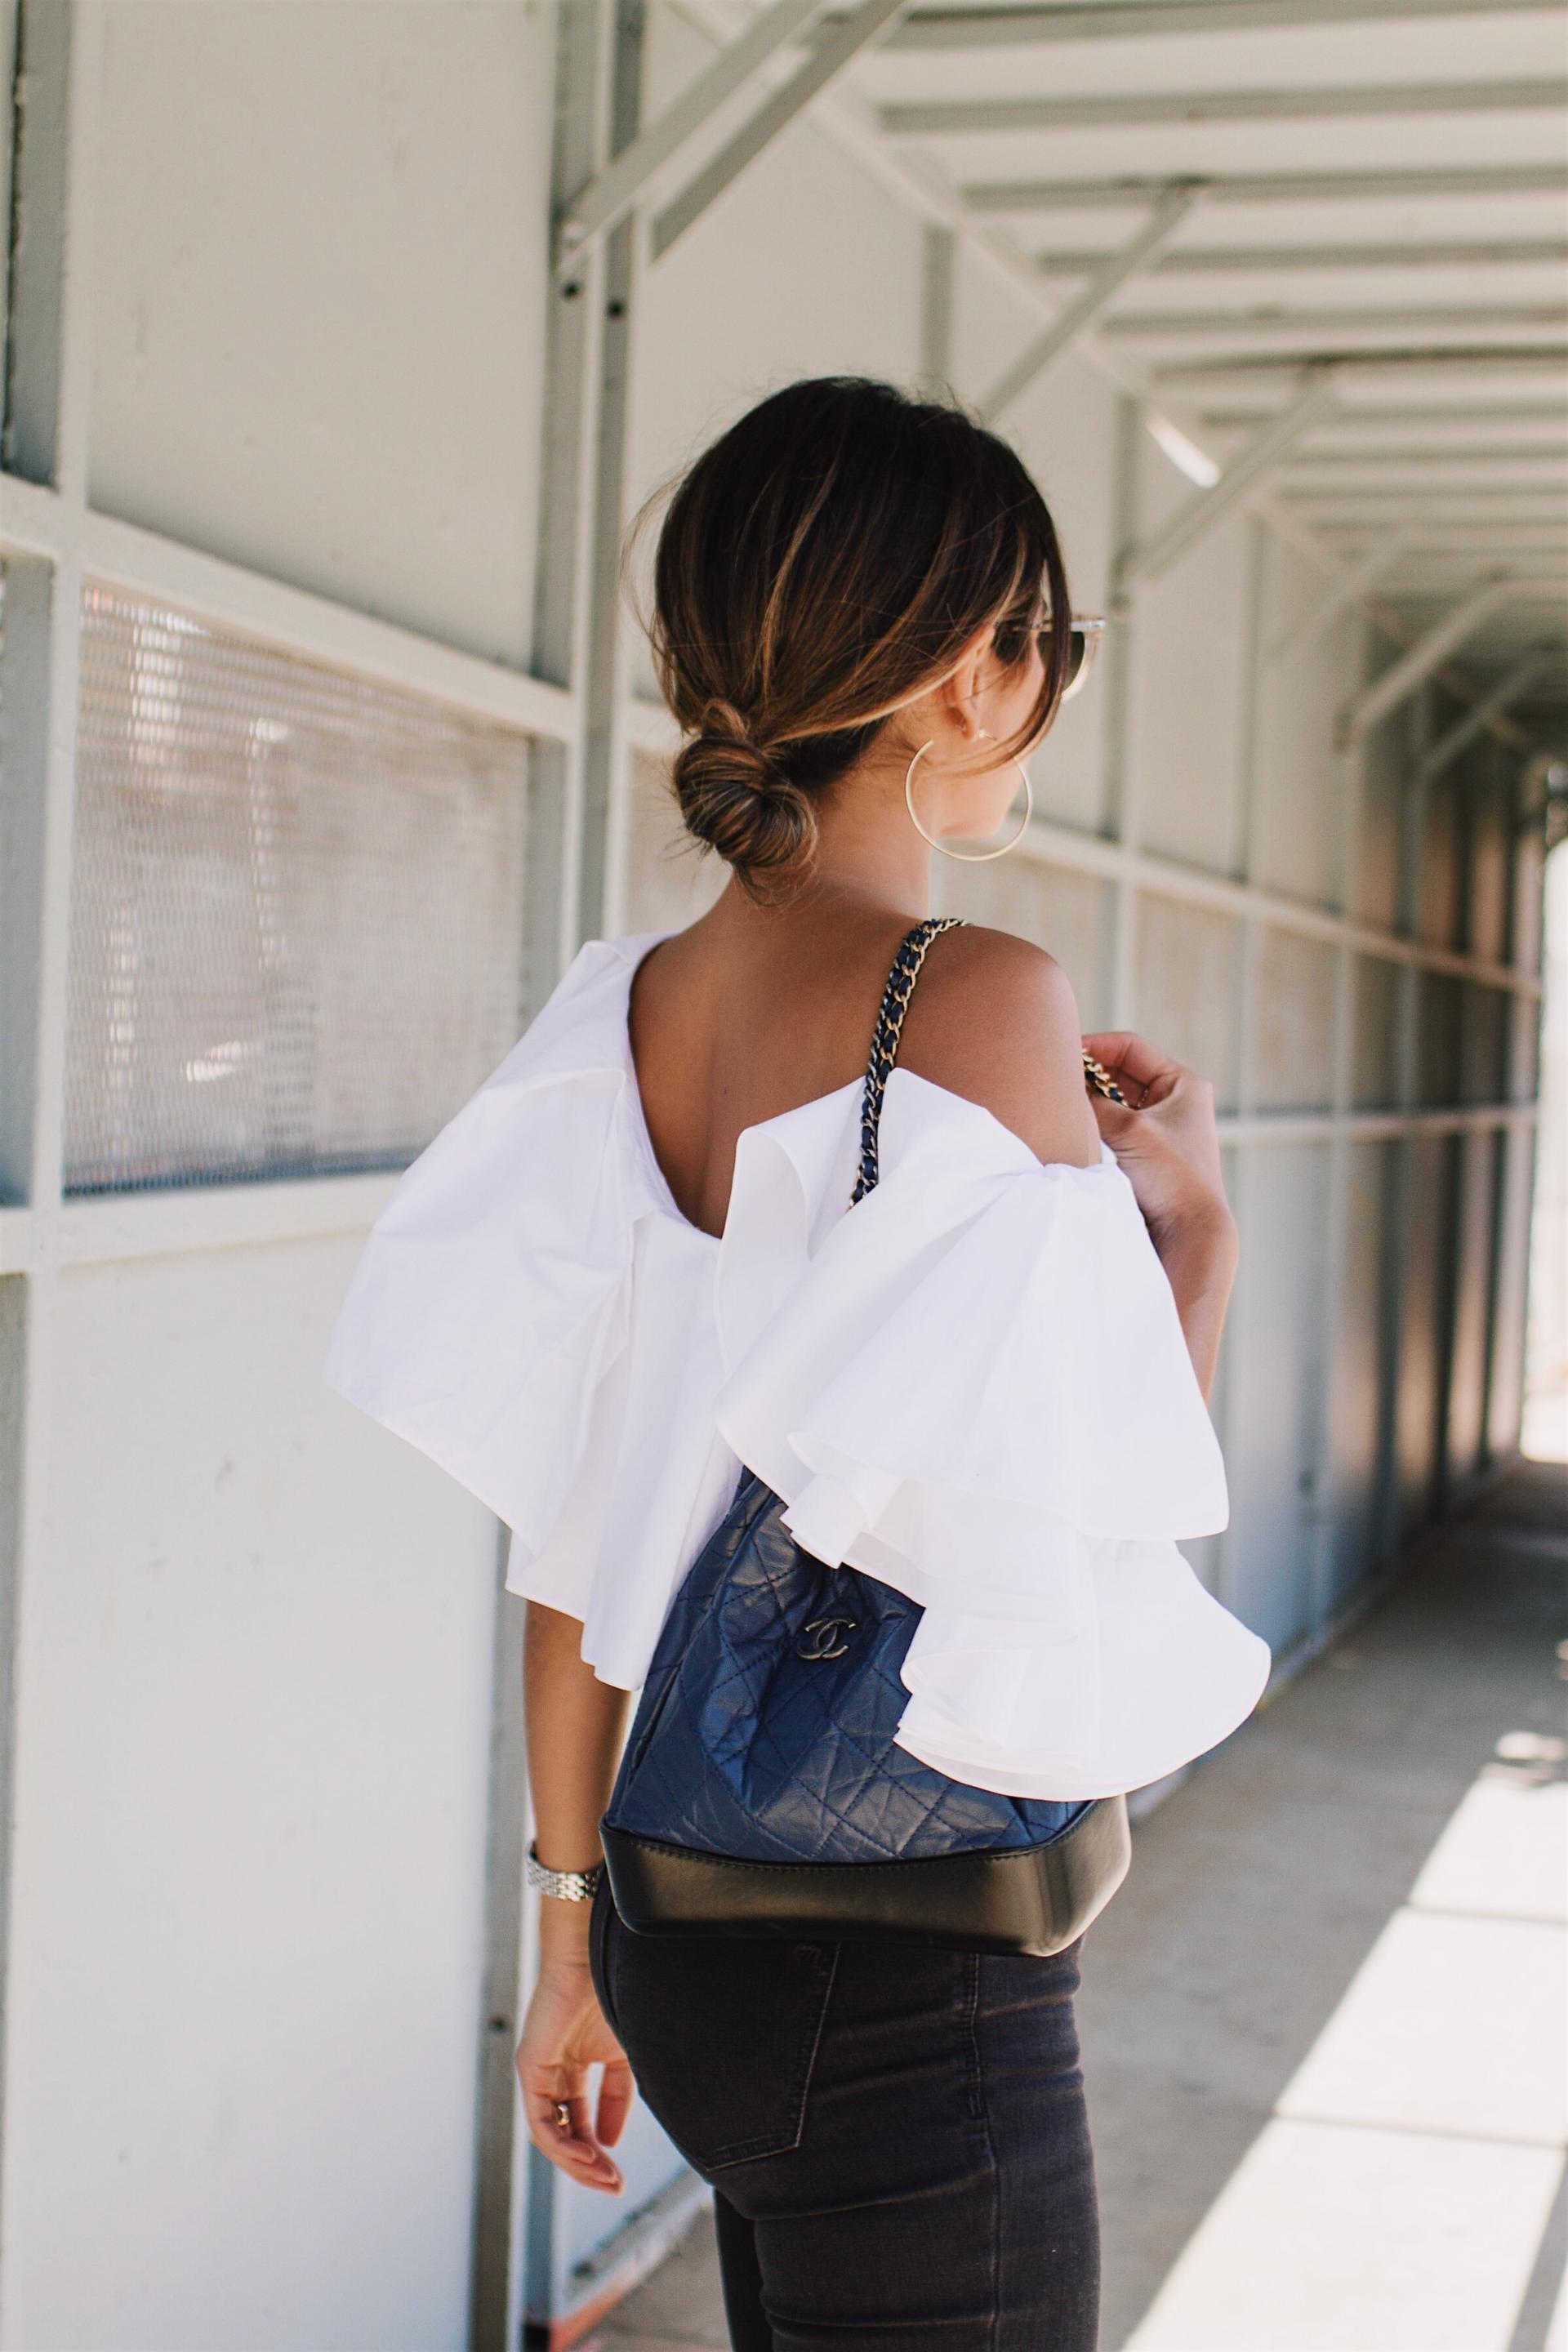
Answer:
(735, 795)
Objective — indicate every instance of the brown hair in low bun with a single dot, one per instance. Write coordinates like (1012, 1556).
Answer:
(737, 799)
(828, 557)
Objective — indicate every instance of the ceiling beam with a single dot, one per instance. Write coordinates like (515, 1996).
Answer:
(843, 40)
(1431, 497)
(1268, 260)
(1016, 28)
(1167, 216)
(1457, 739)
(1523, 359)
(1141, 109)
(1411, 412)
(1399, 187)
(1415, 664)
(1194, 520)
(1382, 316)
(605, 199)
(1431, 454)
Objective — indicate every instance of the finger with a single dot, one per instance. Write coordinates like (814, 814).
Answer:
(1114, 1121)
(617, 2092)
(573, 2148)
(1125, 1054)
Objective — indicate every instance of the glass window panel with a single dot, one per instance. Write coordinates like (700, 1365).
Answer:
(670, 882)
(297, 922)
(1376, 1043)
(1293, 1048)
(1068, 914)
(1442, 1029)
(1187, 987)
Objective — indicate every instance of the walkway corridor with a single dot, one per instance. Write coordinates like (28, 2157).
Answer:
(1324, 2022)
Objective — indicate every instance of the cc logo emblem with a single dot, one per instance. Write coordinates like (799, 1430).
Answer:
(821, 1638)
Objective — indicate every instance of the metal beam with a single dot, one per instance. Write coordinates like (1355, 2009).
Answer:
(844, 41)
(1412, 412)
(611, 194)
(1275, 187)
(1020, 26)
(1194, 520)
(1347, 591)
(938, 118)
(1367, 366)
(1416, 663)
(1469, 729)
(1269, 260)
(1167, 216)
(1437, 496)
(1380, 318)
(1436, 452)
(939, 260)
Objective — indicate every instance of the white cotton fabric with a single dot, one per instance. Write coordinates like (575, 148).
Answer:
(972, 1386)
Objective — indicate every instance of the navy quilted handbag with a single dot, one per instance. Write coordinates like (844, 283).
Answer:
(761, 1791)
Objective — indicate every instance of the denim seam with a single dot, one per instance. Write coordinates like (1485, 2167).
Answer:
(768, 2144)
(981, 2111)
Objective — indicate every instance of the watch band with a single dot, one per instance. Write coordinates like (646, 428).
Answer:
(567, 1885)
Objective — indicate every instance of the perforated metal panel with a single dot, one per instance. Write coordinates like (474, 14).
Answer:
(296, 921)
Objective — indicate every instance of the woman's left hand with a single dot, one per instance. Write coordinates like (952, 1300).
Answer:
(563, 2034)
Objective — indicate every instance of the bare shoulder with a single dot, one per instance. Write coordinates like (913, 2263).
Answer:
(994, 1019)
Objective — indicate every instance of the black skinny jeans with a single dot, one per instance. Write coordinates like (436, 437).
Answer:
(896, 2138)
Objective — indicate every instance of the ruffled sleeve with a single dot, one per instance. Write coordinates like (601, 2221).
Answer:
(491, 1298)
(976, 1388)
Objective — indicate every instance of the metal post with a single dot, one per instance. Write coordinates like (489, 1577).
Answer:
(937, 271)
(1351, 590)
(50, 358)
(1469, 729)
(841, 44)
(1192, 523)
(555, 796)
(1171, 209)
(1416, 663)
(609, 196)
(604, 750)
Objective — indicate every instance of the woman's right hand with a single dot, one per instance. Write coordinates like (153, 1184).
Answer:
(564, 2033)
(1164, 1137)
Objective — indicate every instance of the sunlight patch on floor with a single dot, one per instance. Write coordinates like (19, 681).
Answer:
(1395, 2201)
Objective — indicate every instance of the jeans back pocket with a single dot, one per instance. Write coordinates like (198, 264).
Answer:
(721, 2032)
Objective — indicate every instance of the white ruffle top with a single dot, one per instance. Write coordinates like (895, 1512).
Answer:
(972, 1386)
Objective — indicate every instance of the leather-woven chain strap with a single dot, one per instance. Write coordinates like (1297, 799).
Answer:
(885, 1045)
(885, 1039)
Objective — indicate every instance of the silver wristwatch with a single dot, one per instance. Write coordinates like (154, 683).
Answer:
(569, 1885)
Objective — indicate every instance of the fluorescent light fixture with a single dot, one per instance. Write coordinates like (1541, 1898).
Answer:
(1193, 462)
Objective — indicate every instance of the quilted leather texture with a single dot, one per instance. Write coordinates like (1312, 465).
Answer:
(765, 1728)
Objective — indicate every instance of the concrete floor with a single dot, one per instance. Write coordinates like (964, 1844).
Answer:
(1323, 2021)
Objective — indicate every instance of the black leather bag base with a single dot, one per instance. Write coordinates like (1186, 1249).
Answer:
(1028, 1900)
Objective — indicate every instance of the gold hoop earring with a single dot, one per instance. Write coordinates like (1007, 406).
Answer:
(967, 856)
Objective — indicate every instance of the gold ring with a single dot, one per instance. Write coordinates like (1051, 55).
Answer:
(562, 2115)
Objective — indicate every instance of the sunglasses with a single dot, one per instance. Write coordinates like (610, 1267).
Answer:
(1087, 628)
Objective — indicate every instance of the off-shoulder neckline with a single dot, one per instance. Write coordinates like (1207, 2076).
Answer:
(632, 949)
